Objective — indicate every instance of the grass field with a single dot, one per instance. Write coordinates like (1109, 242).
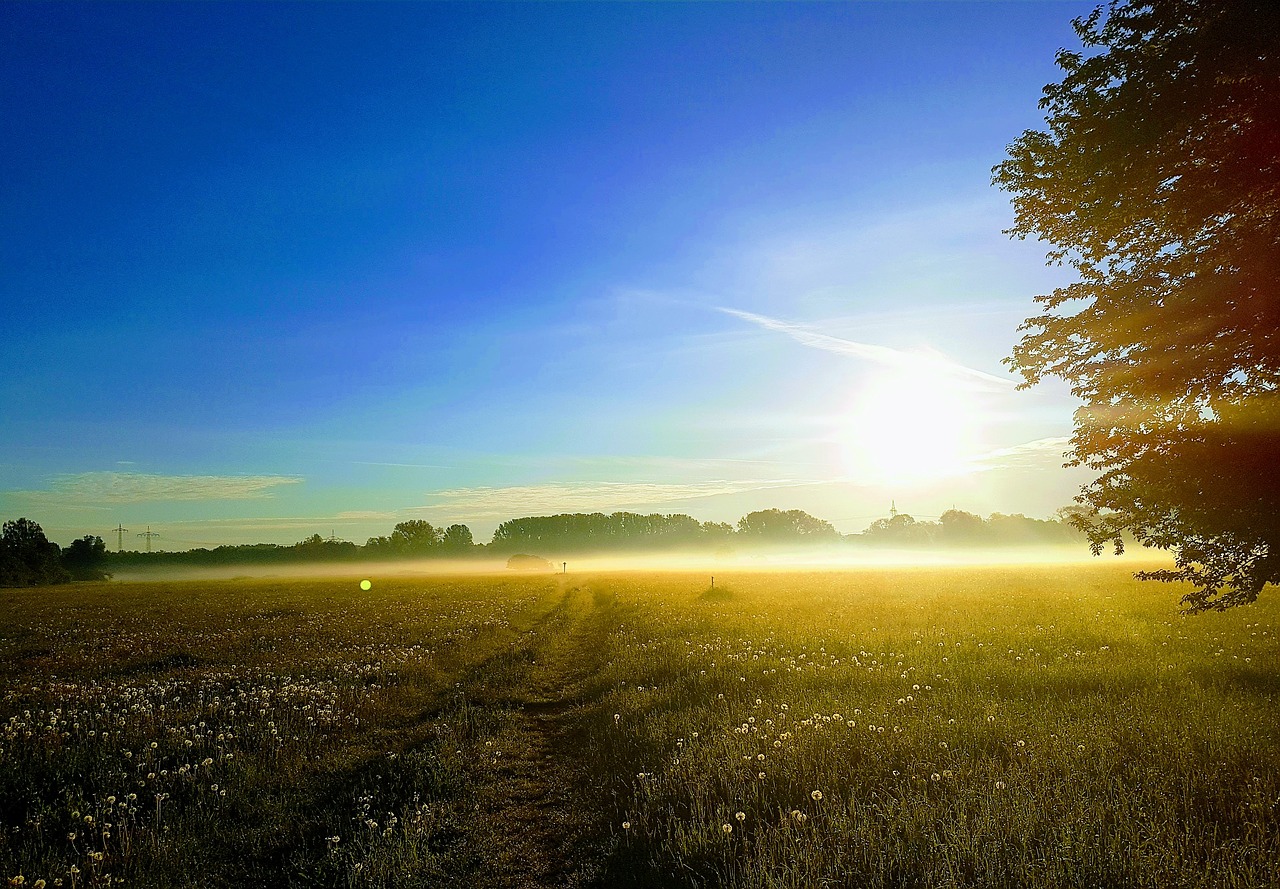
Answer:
(1023, 726)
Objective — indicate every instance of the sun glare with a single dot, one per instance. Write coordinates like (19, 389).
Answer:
(911, 427)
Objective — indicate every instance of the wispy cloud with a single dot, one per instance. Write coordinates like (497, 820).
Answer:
(365, 515)
(401, 465)
(515, 501)
(896, 358)
(289, 523)
(94, 488)
(1043, 452)
(685, 466)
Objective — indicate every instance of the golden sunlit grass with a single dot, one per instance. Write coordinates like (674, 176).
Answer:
(1015, 726)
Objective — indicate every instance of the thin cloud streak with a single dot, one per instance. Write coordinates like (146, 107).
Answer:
(85, 488)
(312, 523)
(516, 501)
(896, 358)
(401, 465)
(1040, 453)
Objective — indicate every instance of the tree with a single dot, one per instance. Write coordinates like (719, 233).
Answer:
(777, 526)
(526, 562)
(457, 538)
(717, 532)
(28, 557)
(901, 529)
(1158, 181)
(958, 526)
(415, 537)
(582, 532)
(326, 549)
(86, 558)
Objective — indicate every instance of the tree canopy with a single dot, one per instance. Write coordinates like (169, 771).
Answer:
(27, 557)
(597, 531)
(1158, 181)
(956, 528)
(86, 558)
(776, 525)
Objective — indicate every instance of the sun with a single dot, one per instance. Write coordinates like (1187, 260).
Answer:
(908, 427)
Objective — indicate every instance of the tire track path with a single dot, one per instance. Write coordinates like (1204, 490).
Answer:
(538, 818)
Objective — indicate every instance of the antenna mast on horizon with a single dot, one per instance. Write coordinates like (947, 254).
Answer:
(893, 509)
(148, 534)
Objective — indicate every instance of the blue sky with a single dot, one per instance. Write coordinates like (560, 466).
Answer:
(271, 270)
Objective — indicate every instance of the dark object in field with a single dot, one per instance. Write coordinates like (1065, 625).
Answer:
(526, 562)
(716, 594)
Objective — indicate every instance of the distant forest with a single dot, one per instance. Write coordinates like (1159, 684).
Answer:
(27, 557)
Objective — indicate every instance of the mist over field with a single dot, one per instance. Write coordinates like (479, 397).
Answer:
(768, 559)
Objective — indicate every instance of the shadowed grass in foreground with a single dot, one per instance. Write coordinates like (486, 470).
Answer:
(961, 727)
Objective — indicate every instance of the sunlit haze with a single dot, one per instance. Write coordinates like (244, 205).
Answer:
(287, 269)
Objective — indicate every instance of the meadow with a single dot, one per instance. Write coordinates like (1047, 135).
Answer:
(1046, 726)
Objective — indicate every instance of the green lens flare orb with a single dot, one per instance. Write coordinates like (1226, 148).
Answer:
(366, 585)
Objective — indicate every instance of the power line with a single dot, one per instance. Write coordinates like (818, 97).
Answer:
(148, 534)
(119, 529)
(192, 542)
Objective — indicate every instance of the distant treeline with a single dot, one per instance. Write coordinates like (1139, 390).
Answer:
(27, 557)
(964, 529)
(627, 530)
(570, 533)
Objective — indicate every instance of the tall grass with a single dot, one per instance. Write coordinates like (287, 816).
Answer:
(934, 728)
(1059, 727)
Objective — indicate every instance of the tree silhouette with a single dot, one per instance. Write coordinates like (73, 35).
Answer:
(457, 538)
(415, 537)
(775, 525)
(901, 529)
(1158, 180)
(596, 531)
(27, 557)
(86, 558)
(959, 526)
